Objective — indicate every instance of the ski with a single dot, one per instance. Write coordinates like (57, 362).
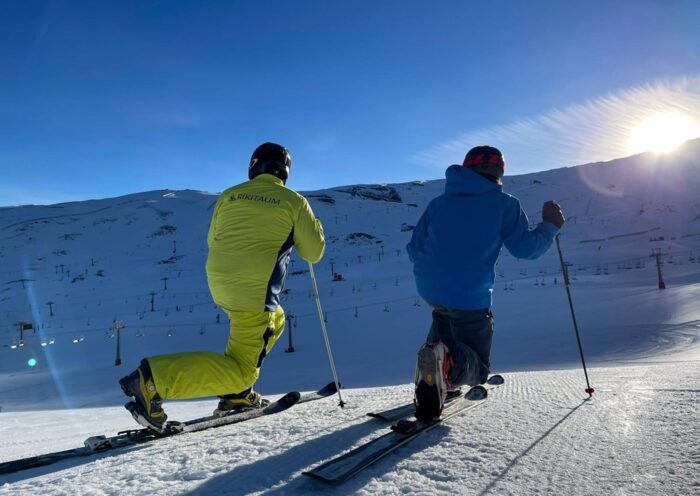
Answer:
(343, 467)
(402, 411)
(328, 390)
(100, 444)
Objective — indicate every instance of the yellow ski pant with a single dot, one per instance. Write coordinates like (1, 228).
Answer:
(202, 373)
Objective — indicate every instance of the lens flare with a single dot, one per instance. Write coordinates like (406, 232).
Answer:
(48, 352)
(31, 362)
(662, 133)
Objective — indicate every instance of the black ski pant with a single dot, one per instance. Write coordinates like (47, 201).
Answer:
(468, 335)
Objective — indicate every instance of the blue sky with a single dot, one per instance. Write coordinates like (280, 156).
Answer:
(105, 98)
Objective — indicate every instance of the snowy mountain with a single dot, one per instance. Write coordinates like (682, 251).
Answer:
(69, 272)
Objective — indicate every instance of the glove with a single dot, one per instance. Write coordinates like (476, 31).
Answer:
(551, 212)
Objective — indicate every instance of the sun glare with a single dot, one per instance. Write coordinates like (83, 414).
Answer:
(663, 133)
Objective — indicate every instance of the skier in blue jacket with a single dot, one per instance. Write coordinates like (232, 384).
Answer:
(454, 249)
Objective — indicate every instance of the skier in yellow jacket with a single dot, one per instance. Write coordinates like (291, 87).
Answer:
(252, 232)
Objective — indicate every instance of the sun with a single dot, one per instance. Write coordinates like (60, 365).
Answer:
(662, 133)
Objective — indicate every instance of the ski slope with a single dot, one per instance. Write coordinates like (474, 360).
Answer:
(534, 435)
(72, 270)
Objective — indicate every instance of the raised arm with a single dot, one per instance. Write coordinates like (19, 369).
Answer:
(520, 240)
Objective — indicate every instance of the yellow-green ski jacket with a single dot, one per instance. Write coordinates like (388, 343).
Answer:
(252, 232)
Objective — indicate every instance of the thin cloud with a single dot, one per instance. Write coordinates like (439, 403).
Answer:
(593, 131)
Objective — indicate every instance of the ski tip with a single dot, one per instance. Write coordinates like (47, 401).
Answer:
(328, 390)
(495, 380)
(477, 393)
(290, 398)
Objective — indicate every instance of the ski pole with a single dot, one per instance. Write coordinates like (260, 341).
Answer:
(325, 334)
(565, 272)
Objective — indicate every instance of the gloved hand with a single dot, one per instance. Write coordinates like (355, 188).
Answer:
(551, 212)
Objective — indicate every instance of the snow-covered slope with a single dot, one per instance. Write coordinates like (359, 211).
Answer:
(534, 435)
(72, 270)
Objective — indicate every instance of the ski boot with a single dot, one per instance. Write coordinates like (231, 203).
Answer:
(432, 384)
(147, 405)
(495, 380)
(245, 400)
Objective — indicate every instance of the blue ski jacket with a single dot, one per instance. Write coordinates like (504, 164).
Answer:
(458, 238)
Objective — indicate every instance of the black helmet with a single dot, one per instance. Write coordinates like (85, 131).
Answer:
(487, 161)
(270, 158)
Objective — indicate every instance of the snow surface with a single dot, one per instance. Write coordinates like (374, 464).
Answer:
(98, 261)
(535, 435)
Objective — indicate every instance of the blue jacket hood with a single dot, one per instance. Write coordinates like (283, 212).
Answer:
(464, 181)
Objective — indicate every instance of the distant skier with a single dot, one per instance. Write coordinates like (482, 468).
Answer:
(454, 249)
(252, 232)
